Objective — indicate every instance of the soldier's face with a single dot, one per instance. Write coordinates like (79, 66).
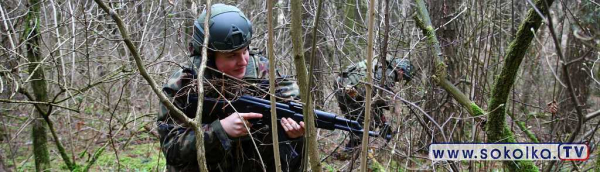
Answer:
(233, 63)
(399, 75)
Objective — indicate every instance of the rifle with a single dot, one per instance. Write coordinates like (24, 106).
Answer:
(246, 103)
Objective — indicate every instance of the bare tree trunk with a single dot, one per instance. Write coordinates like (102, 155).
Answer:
(188, 23)
(354, 11)
(497, 129)
(384, 44)
(576, 53)
(440, 74)
(38, 84)
(271, 55)
(443, 11)
(2, 166)
(367, 122)
(299, 61)
(315, 61)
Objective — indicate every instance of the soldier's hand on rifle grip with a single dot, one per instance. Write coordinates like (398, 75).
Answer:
(234, 123)
(292, 128)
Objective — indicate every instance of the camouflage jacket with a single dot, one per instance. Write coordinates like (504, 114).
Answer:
(351, 77)
(223, 153)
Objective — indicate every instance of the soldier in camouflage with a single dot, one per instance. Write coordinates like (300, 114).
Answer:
(350, 93)
(226, 140)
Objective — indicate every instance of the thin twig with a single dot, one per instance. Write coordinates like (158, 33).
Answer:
(37, 103)
(176, 113)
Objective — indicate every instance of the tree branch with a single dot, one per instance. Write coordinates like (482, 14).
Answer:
(37, 103)
(173, 111)
(589, 116)
(497, 130)
(199, 131)
(523, 128)
(46, 116)
(424, 22)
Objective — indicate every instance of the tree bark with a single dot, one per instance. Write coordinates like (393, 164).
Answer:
(424, 22)
(272, 87)
(577, 53)
(199, 131)
(3, 167)
(315, 60)
(188, 23)
(443, 9)
(367, 122)
(497, 130)
(354, 11)
(299, 61)
(384, 44)
(38, 84)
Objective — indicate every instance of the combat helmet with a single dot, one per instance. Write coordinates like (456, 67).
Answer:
(229, 30)
(405, 66)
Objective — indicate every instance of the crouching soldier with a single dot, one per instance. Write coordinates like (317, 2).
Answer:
(350, 93)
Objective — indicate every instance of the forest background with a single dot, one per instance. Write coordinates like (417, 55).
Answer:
(70, 88)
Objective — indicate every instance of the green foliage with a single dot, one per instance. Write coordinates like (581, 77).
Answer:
(144, 157)
(597, 168)
(394, 165)
(89, 109)
(376, 166)
(329, 167)
(523, 126)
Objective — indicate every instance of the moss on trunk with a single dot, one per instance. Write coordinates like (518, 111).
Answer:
(497, 130)
(477, 111)
(38, 84)
(301, 70)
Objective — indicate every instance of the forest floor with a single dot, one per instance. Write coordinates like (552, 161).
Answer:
(145, 155)
(137, 157)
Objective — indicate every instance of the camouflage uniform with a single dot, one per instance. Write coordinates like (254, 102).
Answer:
(350, 93)
(223, 153)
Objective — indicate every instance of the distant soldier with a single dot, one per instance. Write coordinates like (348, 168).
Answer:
(350, 93)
